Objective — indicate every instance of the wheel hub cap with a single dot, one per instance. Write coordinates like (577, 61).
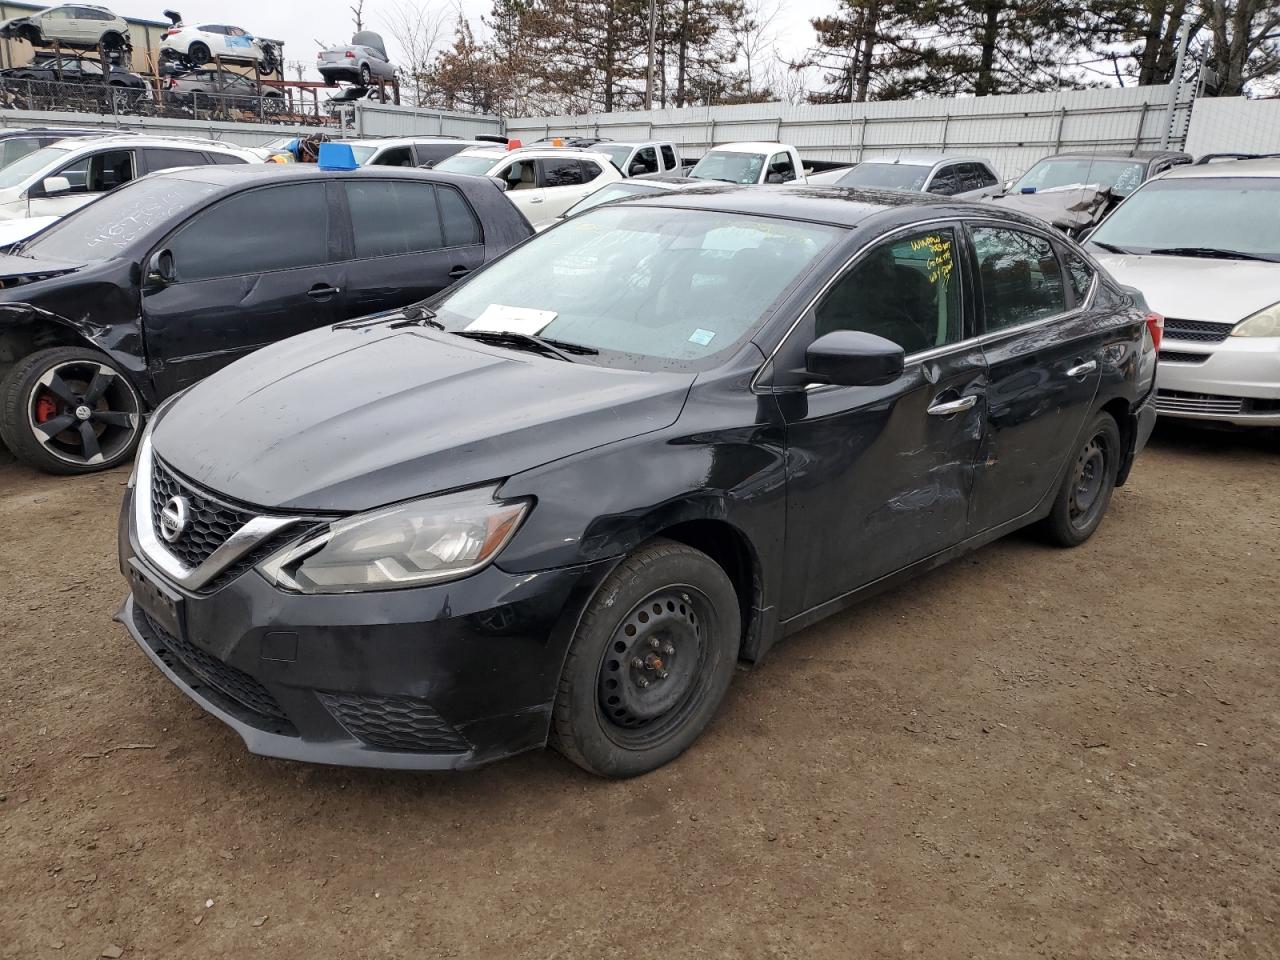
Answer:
(83, 412)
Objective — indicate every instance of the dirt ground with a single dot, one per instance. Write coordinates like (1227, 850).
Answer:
(1031, 752)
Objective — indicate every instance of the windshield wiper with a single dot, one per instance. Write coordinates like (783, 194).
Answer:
(510, 338)
(1111, 247)
(1213, 252)
(418, 313)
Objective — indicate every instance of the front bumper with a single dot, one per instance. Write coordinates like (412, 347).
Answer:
(441, 677)
(1235, 381)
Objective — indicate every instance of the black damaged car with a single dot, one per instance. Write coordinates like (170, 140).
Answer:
(172, 276)
(560, 501)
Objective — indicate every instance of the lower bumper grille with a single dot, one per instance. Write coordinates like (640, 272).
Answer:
(394, 723)
(1196, 331)
(1174, 356)
(1178, 401)
(234, 684)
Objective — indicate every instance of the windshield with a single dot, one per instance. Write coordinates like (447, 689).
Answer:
(462, 163)
(1121, 177)
(1227, 213)
(617, 155)
(886, 176)
(651, 288)
(614, 191)
(104, 228)
(17, 173)
(729, 167)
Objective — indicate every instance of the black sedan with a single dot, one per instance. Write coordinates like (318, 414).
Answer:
(563, 499)
(41, 76)
(169, 278)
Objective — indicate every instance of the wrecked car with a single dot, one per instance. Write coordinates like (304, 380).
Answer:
(362, 61)
(1074, 191)
(561, 500)
(168, 278)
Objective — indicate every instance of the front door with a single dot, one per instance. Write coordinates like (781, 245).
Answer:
(521, 178)
(410, 240)
(879, 477)
(90, 177)
(1044, 354)
(250, 270)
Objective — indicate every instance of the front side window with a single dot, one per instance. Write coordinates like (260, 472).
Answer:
(1214, 217)
(652, 288)
(99, 172)
(86, 67)
(275, 228)
(561, 173)
(520, 175)
(395, 157)
(646, 158)
(906, 290)
(945, 182)
(1021, 277)
(781, 168)
(390, 218)
(729, 166)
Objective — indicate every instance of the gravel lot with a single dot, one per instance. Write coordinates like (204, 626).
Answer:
(1031, 752)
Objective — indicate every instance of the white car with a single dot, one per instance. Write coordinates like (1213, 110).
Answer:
(620, 190)
(1202, 243)
(199, 45)
(421, 151)
(936, 173)
(542, 183)
(64, 176)
(80, 25)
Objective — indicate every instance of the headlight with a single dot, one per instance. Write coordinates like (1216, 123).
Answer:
(408, 545)
(1264, 323)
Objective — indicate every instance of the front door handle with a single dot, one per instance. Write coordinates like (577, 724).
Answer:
(535, 199)
(1080, 369)
(323, 292)
(949, 408)
(459, 272)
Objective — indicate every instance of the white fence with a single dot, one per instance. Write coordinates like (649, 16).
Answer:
(1013, 132)
(1234, 124)
(385, 120)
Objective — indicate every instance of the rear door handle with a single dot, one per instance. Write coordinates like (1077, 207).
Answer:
(1080, 369)
(459, 271)
(322, 292)
(949, 408)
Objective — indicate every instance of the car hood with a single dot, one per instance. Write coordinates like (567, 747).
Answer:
(28, 269)
(1196, 288)
(348, 419)
(1067, 210)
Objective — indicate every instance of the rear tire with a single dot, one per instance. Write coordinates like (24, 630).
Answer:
(1086, 490)
(198, 53)
(366, 76)
(70, 410)
(650, 662)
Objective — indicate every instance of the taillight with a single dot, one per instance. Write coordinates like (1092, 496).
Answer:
(1155, 327)
(349, 55)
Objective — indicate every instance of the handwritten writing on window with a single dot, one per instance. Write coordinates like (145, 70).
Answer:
(940, 263)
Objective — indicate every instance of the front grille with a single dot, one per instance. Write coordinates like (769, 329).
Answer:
(1178, 401)
(211, 523)
(394, 723)
(1196, 331)
(1174, 356)
(234, 684)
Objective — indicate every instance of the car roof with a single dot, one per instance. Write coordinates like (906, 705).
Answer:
(536, 153)
(928, 159)
(406, 141)
(1117, 155)
(232, 176)
(1261, 167)
(133, 140)
(749, 146)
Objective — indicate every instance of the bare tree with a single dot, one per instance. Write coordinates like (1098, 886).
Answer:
(1246, 42)
(357, 12)
(755, 35)
(417, 29)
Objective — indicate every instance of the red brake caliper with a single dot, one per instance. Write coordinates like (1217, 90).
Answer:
(46, 409)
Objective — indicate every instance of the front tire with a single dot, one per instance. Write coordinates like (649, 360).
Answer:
(650, 662)
(70, 410)
(1086, 490)
(366, 76)
(198, 53)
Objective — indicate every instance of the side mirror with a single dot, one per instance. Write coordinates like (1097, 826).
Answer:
(852, 358)
(636, 169)
(775, 178)
(160, 269)
(55, 186)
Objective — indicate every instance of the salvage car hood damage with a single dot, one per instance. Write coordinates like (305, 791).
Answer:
(350, 419)
(1071, 210)
(15, 271)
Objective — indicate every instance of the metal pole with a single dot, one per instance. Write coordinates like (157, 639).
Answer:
(1175, 85)
(653, 34)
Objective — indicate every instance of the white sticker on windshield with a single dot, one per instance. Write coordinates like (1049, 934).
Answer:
(500, 318)
(701, 337)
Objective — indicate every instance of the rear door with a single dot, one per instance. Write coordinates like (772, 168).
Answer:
(252, 269)
(1044, 356)
(879, 477)
(408, 240)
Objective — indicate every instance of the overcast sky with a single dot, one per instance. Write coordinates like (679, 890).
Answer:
(300, 23)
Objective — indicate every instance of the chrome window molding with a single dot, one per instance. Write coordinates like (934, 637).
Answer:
(154, 551)
(978, 340)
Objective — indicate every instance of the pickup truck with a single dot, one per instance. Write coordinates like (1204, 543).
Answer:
(642, 158)
(758, 162)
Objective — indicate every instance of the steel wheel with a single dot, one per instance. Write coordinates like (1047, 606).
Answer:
(1085, 490)
(1089, 479)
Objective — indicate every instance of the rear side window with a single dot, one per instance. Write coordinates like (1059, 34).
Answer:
(561, 173)
(433, 153)
(391, 217)
(395, 157)
(1021, 277)
(590, 170)
(1080, 274)
(226, 158)
(668, 157)
(158, 159)
(461, 228)
(275, 228)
